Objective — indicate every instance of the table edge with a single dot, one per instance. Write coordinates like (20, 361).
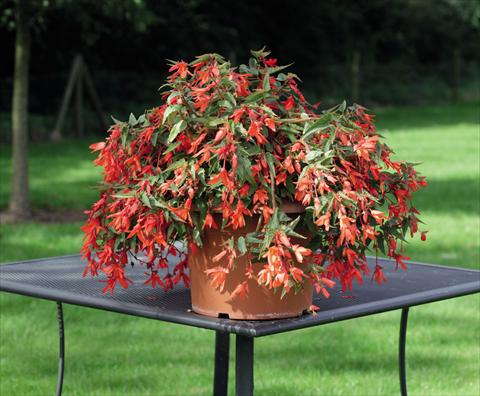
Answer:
(244, 327)
(391, 304)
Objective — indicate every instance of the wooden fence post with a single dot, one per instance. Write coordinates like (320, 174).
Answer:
(79, 75)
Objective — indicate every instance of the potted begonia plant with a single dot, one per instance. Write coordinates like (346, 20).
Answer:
(270, 197)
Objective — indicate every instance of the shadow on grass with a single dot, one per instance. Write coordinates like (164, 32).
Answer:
(368, 353)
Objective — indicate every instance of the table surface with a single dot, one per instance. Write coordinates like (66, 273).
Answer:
(60, 279)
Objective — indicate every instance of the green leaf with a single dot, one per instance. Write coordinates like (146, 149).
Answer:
(271, 163)
(171, 96)
(169, 111)
(266, 82)
(313, 155)
(256, 96)
(200, 58)
(197, 237)
(125, 130)
(141, 119)
(271, 228)
(260, 53)
(155, 138)
(244, 171)
(293, 224)
(132, 120)
(225, 103)
(330, 140)
(116, 121)
(128, 195)
(144, 198)
(276, 69)
(176, 129)
(321, 123)
(242, 246)
(172, 147)
(231, 98)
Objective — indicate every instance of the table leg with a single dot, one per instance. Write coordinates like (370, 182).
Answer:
(61, 351)
(401, 351)
(222, 349)
(244, 366)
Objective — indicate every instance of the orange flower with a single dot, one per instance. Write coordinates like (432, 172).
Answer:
(301, 252)
(269, 122)
(378, 275)
(324, 220)
(288, 165)
(255, 131)
(260, 196)
(378, 215)
(297, 274)
(209, 222)
(264, 276)
(348, 230)
(289, 103)
(218, 276)
(181, 70)
(97, 146)
(266, 213)
(273, 256)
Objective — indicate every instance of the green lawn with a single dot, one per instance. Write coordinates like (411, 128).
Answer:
(111, 354)
(61, 175)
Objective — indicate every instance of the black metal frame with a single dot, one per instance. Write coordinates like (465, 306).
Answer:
(244, 359)
(401, 351)
(247, 328)
(61, 349)
(222, 351)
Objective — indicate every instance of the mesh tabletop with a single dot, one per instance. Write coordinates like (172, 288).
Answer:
(60, 279)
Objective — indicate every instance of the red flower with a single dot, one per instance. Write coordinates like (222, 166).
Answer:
(209, 222)
(255, 131)
(378, 275)
(154, 279)
(181, 70)
(97, 146)
(261, 196)
(289, 103)
(270, 62)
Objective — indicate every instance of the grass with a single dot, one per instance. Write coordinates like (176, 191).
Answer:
(111, 354)
(61, 175)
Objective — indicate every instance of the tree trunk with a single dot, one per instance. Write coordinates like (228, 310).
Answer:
(19, 206)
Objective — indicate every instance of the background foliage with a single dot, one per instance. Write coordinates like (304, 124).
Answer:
(405, 51)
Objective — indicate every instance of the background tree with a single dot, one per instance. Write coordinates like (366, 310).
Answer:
(22, 15)
(19, 207)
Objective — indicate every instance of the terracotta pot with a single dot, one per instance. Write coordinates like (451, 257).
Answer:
(261, 303)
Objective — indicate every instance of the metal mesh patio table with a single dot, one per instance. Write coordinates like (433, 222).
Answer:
(59, 279)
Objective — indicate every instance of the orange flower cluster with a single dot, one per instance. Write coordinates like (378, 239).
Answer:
(240, 142)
